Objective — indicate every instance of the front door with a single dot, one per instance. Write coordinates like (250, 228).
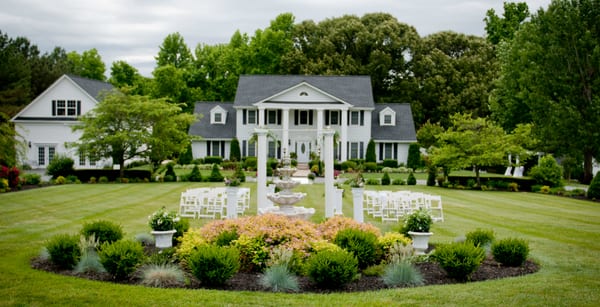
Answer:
(303, 151)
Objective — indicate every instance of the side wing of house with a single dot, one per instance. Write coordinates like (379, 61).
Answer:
(45, 124)
(212, 134)
(393, 130)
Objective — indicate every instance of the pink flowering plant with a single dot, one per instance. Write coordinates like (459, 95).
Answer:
(162, 220)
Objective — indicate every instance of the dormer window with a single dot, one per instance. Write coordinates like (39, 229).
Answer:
(387, 117)
(218, 115)
(66, 107)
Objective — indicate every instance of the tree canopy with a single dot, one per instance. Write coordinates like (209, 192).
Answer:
(124, 127)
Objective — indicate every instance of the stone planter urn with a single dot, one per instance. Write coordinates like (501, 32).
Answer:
(420, 241)
(163, 238)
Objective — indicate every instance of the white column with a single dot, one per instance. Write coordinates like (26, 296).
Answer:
(285, 131)
(328, 160)
(261, 179)
(357, 202)
(344, 136)
(232, 202)
(319, 127)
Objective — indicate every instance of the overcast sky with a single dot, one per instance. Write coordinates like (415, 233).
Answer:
(132, 30)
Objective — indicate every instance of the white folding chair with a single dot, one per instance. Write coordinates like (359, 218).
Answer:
(188, 205)
(435, 207)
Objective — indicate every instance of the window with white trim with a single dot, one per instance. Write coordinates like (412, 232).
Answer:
(218, 118)
(354, 152)
(303, 114)
(387, 119)
(272, 149)
(388, 151)
(354, 118)
(81, 158)
(66, 107)
(42, 156)
(251, 117)
(45, 154)
(272, 117)
(251, 149)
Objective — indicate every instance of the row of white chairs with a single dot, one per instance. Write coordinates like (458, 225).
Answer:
(211, 202)
(395, 205)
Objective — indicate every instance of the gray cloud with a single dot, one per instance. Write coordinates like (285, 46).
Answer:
(132, 30)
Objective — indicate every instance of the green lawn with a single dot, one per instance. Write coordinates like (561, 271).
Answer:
(564, 236)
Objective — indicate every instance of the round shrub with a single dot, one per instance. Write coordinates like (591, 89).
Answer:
(215, 174)
(480, 237)
(362, 244)
(60, 165)
(214, 265)
(195, 175)
(370, 166)
(64, 250)
(121, 258)
(593, 191)
(103, 231)
(547, 172)
(332, 269)
(170, 175)
(459, 260)
(511, 251)
(60, 180)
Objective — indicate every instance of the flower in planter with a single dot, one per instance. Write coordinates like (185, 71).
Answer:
(163, 220)
(418, 221)
(232, 182)
(358, 181)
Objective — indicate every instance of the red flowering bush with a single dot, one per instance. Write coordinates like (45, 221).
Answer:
(11, 175)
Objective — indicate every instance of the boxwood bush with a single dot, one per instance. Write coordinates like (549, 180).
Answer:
(104, 231)
(332, 268)
(362, 244)
(480, 237)
(459, 260)
(511, 251)
(121, 258)
(64, 250)
(214, 265)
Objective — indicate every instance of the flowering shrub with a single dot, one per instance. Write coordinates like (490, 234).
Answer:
(162, 220)
(11, 175)
(189, 242)
(389, 238)
(332, 226)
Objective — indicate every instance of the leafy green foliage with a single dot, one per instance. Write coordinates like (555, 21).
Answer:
(60, 165)
(370, 155)
(411, 180)
(226, 237)
(418, 221)
(385, 179)
(511, 251)
(547, 172)
(235, 152)
(103, 231)
(121, 258)
(593, 191)
(503, 29)
(362, 244)
(402, 273)
(215, 174)
(331, 268)
(162, 220)
(162, 275)
(195, 175)
(480, 237)
(181, 226)
(170, 173)
(459, 260)
(239, 173)
(278, 278)
(64, 250)
(414, 160)
(214, 265)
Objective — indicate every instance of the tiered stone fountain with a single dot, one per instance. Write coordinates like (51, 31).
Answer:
(285, 199)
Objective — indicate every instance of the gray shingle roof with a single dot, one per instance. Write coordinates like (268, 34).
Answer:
(93, 87)
(203, 127)
(355, 90)
(404, 130)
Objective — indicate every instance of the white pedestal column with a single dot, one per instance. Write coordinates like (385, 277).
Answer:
(344, 136)
(261, 179)
(328, 160)
(285, 128)
(232, 202)
(357, 199)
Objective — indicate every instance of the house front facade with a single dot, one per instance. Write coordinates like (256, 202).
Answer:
(45, 125)
(296, 110)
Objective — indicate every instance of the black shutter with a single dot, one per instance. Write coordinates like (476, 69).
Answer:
(53, 107)
(327, 118)
(362, 118)
(278, 117)
(244, 153)
(223, 149)
(362, 147)
(266, 116)
(207, 148)
(295, 117)
(244, 116)
(310, 117)
(78, 107)
(381, 145)
(347, 150)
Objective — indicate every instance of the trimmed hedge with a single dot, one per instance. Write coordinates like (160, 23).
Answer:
(111, 174)
(525, 184)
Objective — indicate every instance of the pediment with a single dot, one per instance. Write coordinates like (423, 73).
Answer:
(304, 93)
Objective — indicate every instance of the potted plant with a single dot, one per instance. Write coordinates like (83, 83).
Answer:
(162, 223)
(417, 225)
(232, 185)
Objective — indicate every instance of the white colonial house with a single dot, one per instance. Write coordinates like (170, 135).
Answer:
(45, 124)
(296, 109)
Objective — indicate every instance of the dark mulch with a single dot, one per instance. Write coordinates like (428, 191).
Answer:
(432, 273)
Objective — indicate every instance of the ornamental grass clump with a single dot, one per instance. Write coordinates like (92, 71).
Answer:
(481, 237)
(511, 251)
(278, 278)
(166, 275)
(459, 260)
(214, 265)
(402, 273)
